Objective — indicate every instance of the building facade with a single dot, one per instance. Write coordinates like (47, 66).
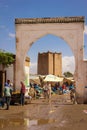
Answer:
(49, 63)
(10, 73)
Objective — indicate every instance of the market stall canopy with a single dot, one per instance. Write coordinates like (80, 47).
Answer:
(71, 79)
(53, 78)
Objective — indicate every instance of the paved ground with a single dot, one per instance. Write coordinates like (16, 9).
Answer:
(41, 114)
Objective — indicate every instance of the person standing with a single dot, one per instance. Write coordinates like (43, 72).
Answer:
(47, 90)
(22, 92)
(7, 95)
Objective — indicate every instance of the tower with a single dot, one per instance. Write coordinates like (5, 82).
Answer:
(49, 63)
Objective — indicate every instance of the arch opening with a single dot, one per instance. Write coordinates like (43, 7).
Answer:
(70, 29)
(52, 43)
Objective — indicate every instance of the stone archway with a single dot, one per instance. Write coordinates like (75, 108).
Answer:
(71, 29)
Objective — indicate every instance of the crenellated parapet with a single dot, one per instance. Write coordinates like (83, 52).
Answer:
(49, 20)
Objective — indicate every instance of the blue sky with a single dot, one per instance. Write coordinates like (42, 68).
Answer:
(11, 9)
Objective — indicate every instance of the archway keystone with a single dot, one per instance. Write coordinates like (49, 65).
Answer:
(71, 29)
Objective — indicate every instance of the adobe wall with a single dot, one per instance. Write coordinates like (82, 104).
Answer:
(42, 64)
(50, 63)
(70, 29)
(57, 64)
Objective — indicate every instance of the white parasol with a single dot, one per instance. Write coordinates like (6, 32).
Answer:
(53, 78)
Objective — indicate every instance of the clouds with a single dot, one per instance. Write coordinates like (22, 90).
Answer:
(2, 27)
(11, 35)
(7, 31)
(3, 4)
(68, 64)
(33, 68)
(85, 29)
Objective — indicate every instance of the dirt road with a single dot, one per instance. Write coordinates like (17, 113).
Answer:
(41, 114)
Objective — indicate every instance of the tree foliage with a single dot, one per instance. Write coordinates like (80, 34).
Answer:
(6, 58)
(68, 74)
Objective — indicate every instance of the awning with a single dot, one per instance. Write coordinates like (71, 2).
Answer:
(53, 78)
